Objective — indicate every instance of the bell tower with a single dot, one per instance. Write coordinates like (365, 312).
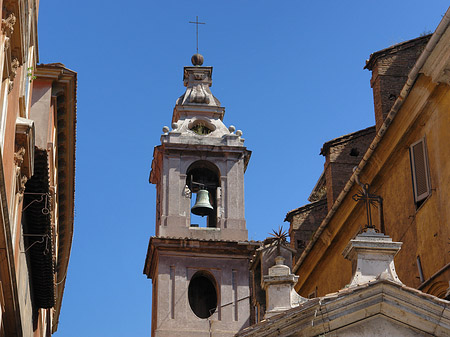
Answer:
(199, 258)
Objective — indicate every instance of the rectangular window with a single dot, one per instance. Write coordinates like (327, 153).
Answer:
(420, 171)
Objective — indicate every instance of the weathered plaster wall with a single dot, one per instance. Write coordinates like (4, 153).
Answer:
(174, 315)
(174, 206)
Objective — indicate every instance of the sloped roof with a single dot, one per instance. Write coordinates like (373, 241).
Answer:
(411, 308)
(345, 138)
(395, 48)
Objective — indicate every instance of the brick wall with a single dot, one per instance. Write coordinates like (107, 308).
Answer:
(390, 68)
(304, 221)
(341, 156)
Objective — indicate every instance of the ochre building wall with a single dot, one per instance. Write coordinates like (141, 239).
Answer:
(424, 231)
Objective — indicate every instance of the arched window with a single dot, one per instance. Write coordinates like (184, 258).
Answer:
(202, 294)
(204, 175)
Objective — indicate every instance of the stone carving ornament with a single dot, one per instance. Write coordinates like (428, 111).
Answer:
(199, 94)
(8, 24)
(12, 75)
(21, 178)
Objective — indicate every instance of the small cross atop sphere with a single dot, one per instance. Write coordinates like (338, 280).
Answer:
(196, 22)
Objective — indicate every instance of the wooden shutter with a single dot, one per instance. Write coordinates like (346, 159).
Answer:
(420, 170)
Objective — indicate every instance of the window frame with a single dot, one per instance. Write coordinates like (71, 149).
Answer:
(419, 198)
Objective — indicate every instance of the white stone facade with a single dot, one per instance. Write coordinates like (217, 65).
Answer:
(199, 152)
(183, 146)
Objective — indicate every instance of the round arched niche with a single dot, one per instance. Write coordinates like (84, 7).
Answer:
(201, 126)
(204, 172)
(204, 175)
(202, 294)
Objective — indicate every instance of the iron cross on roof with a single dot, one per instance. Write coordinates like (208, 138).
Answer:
(370, 200)
(196, 28)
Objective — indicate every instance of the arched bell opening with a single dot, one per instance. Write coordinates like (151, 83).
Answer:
(202, 179)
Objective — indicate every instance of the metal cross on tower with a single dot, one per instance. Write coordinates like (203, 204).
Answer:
(196, 28)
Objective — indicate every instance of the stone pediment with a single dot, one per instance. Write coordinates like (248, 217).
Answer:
(380, 308)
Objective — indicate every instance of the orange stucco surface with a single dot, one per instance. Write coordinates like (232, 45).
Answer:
(425, 230)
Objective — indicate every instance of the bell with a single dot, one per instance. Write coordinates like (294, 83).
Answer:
(202, 206)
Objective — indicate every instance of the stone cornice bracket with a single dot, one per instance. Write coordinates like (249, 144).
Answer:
(372, 255)
(18, 156)
(12, 75)
(8, 24)
(21, 179)
(24, 155)
(21, 182)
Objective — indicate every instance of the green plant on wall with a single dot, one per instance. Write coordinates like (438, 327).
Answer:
(30, 75)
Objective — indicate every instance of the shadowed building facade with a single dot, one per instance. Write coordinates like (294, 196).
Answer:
(37, 177)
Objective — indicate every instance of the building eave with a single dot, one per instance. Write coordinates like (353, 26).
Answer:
(64, 83)
(304, 208)
(238, 249)
(345, 138)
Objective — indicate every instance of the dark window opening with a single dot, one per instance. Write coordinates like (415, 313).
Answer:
(419, 267)
(354, 152)
(201, 129)
(202, 294)
(259, 294)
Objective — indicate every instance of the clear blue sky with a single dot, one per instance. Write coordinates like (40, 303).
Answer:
(290, 74)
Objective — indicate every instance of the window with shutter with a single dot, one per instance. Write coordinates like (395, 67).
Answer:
(420, 170)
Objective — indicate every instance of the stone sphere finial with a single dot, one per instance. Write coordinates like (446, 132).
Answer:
(239, 133)
(165, 129)
(197, 59)
(231, 128)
